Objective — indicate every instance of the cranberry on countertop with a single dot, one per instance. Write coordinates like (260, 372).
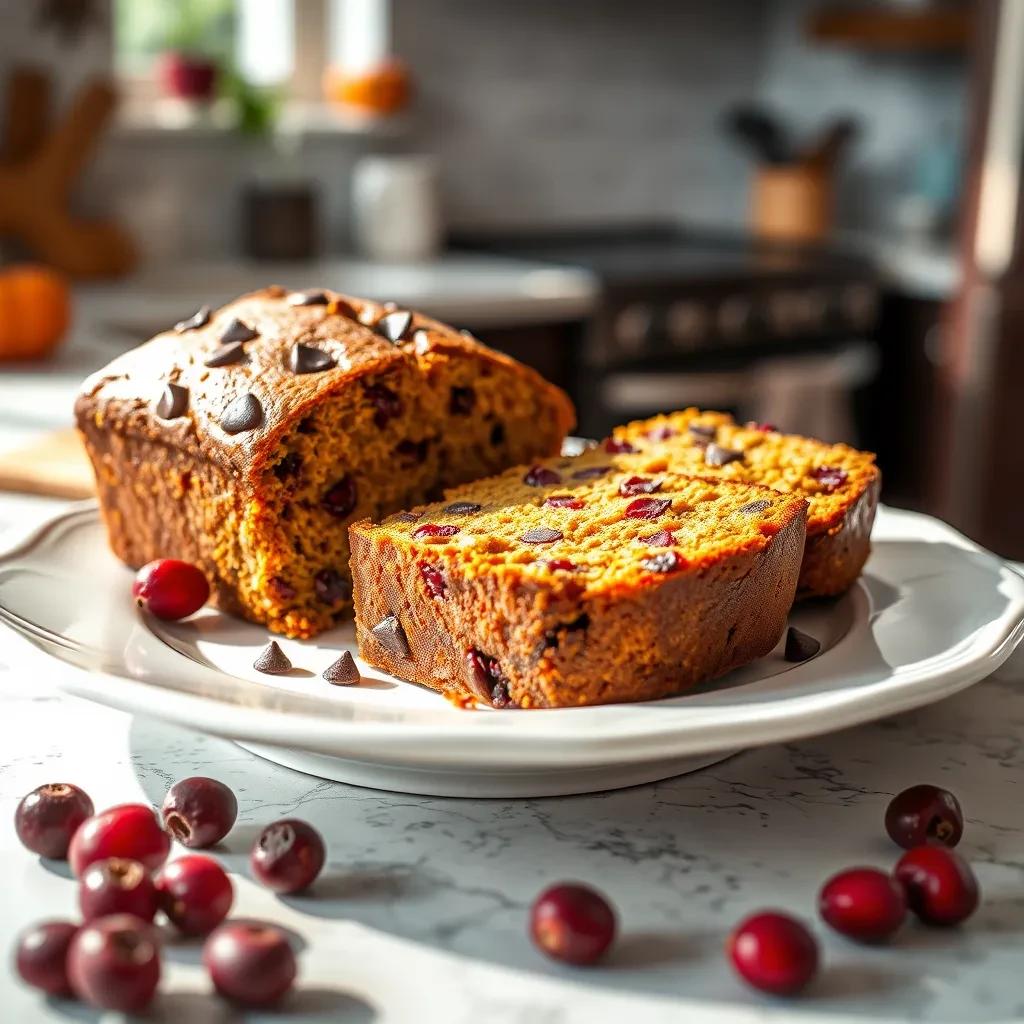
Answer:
(924, 814)
(774, 952)
(288, 855)
(940, 885)
(114, 963)
(199, 811)
(250, 962)
(195, 893)
(41, 956)
(170, 589)
(116, 886)
(131, 831)
(573, 923)
(48, 817)
(863, 903)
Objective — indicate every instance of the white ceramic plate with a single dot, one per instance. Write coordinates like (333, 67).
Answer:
(931, 615)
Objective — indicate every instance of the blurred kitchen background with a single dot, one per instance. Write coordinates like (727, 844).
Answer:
(802, 211)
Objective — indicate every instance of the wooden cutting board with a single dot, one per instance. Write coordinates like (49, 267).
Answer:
(55, 465)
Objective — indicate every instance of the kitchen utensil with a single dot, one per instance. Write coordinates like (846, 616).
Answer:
(762, 133)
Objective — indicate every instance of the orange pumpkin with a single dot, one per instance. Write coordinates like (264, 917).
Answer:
(383, 90)
(35, 308)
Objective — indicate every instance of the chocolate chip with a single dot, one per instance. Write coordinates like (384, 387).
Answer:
(288, 466)
(463, 508)
(754, 506)
(272, 661)
(386, 402)
(391, 637)
(705, 432)
(340, 499)
(800, 646)
(225, 355)
(343, 672)
(716, 455)
(664, 561)
(394, 326)
(415, 450)
(461, 401)
(281, 588)
(553, 637)
(309, 359)
(198, 319)
(541, 535)
(591, 473)
(407, 517)
(498, 434)
(244, 413)
(310, 298)
(539, 476)
(237, 330)
(331, 587)
(173, 402)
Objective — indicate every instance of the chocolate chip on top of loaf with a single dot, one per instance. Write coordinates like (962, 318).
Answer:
(577, 581)
(245, 439)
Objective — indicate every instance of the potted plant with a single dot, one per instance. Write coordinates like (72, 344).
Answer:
(193, 40)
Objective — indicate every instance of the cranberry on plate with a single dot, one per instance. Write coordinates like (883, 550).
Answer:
(114, 963)
(573, 923)
(774, 952)
(940, 885)
(47, 818)
(131, 831)
(41, 956)
(195, 893)
(288, 855)
(199, 812)
(170, 588)
(924, 814)
(250, 962)
(863, 903)
(116, 886)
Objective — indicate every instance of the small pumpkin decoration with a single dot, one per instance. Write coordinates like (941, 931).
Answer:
(380, 91)
(35, 309)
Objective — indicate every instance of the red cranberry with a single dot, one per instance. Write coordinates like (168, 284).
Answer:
(195, 893)
(647, 508)
(170, 589)
(541, 476)
(863, 903)
(764, 428)
(331, 587)
(940, 885)
(661, 539)
(830, 477)
(559, 565)
(340, 499)
(483, 674)
(249, 962)
(130, 831)
(661, 433)
(114, 963)
(638, 485)
(774, 952)
(199, 811)
(386, 403)
(573, 923)
(435, 530)
(47, 818)
(42, 955)
(924, 814)
(433, 580)
(288, 855)
(563, 501)
(616, 446)
(116, 886)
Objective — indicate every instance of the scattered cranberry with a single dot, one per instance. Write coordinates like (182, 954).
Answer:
(130, 831)
(573, 923)
(661, 539)
(863, 903)
(195, 893)
(42, 955)
(638, 485)
(940, 885)
(563, 501)
(199, 812)
(340, 499)
(114, 963)
(830, 477)
(288, 855)
(924, 814)
(541, 476)
(170, 589)
(647, 508)
(116, 886)
(559, 565)
(249, 962)
(774, 952)
(618, 447)
(435, 530)
(47, 818)
(433, 580)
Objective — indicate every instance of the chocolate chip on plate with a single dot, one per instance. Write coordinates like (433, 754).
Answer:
(225, 355)
(173, 402)
(391, 637)
(308, 298)
(343, 672)
(237, 330)
(244, 413)
(395, 326)
(541, 535)
(800, 646)
(309, 359)
(272, 661)
(463, 508)
(200, 318)
(717, 455)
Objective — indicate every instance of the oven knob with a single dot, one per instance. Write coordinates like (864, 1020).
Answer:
(687, 324)
(859, 305)
(782, 312)
(734, 316)
(811, 310)
(632, 327)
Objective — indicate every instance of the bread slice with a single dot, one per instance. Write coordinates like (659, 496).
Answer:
(577, 581)
(840, 483)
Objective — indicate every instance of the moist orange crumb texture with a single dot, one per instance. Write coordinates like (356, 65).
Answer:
(577, 581)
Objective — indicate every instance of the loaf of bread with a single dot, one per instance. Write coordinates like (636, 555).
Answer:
(247, 439)
(840, 483)
(578, 581)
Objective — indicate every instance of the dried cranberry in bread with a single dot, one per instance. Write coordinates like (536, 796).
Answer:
(245, 440)
(840, 483)
(577, 581)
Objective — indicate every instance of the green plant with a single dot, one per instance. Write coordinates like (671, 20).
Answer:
(255, 107)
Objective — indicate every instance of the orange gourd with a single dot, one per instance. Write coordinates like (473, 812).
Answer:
(35, 308)
(383, 90)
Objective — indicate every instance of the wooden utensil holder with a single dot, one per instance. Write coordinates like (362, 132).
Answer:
(792, 203)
